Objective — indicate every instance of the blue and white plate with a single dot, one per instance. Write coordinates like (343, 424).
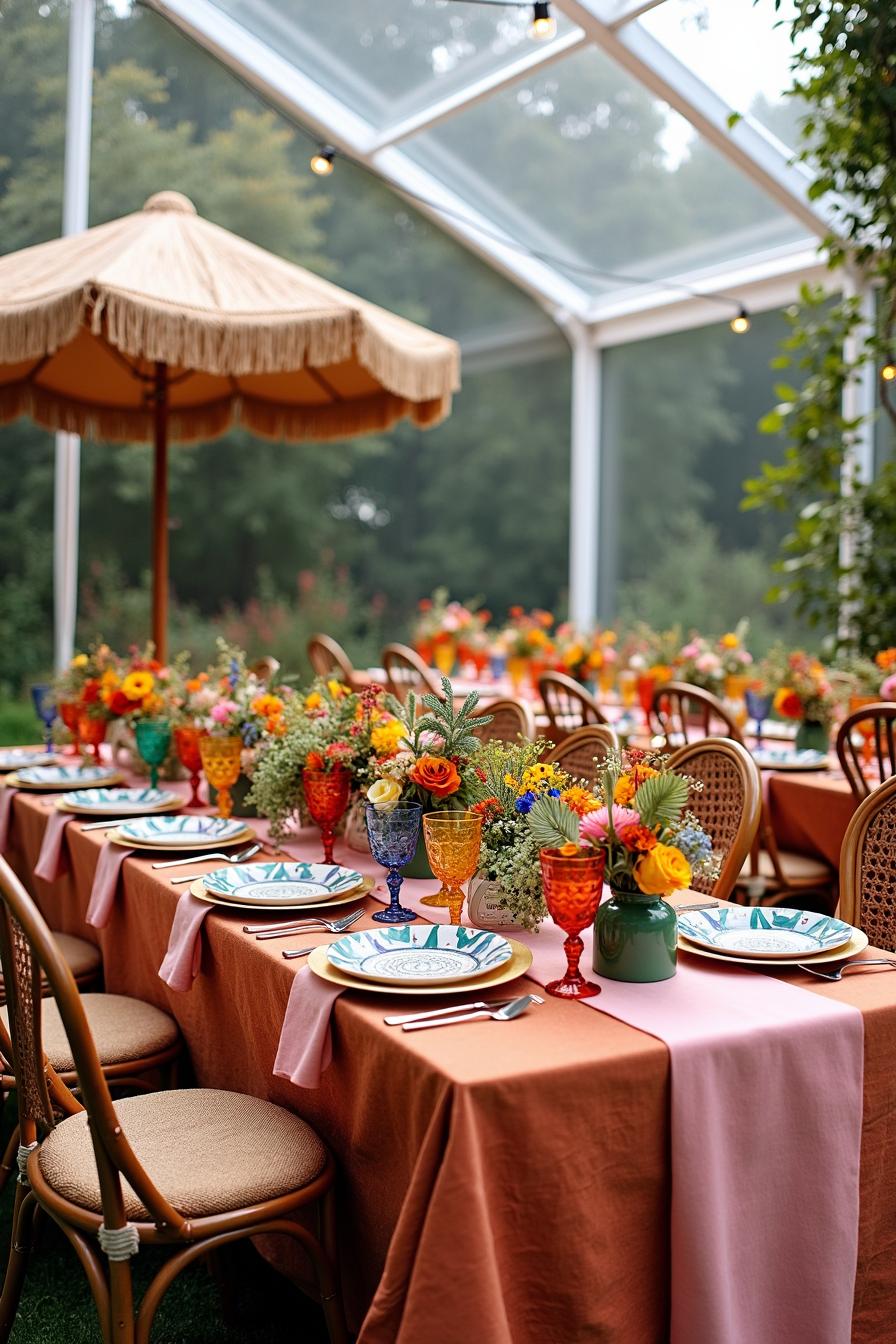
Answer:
(281, 883)
(764, 933)
(432, 954)
(180, 832)
(63, 776)
(18, 758)
(788, 758)
(118, 802)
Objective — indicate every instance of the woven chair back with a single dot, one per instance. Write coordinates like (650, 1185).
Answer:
(582, 753)
(874, 725)
(868, 866)
(510, 719)
(684, 713)
(567, 704)
(327, 657)
(728, 806)
(406, 671)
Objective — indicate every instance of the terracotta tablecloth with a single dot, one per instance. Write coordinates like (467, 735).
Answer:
(810, 813)
(494, 1189)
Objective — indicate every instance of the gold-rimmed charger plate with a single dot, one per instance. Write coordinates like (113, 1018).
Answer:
(198, 890)
(12, 781)
(857, 943)
(511, 970)
(211, 842)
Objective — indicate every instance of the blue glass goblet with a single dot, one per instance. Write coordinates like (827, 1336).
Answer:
(45, 707)
(393, 840)
(758, 708)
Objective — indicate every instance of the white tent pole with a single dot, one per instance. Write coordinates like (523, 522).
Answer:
(859, 400)
(584, 475)
(74, 220)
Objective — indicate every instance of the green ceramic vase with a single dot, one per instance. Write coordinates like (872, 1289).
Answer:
(635, 938)
(812, 736)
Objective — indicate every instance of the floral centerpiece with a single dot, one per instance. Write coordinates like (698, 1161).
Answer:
(84, 693)
(447, 630)
(802, 691)
(652, 846)
(514, 777)
(886, 663)
(587, 657)
(734, 656)
(699, 664)
(526, 644)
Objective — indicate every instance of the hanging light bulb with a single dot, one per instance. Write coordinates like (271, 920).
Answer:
(741, 323)
(322, 161)
(888, 372)
(543, 25)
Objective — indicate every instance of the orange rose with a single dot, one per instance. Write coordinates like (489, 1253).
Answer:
(437, 775)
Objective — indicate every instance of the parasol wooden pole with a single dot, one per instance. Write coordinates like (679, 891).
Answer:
(160, 516)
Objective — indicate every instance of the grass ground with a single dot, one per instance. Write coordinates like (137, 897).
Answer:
(57, 1308)
(18, 723)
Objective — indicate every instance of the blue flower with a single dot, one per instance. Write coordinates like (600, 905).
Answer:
(694, 844)
(553, 793)
(525, 801)
(234, 673)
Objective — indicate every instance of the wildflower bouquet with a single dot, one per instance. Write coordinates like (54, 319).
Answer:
(699, 664)
(512, 778)
(444, 628)
(652, 844)
(327, 727)
(734, 656)
(886, 662)
(432, 763)
(141, 687)
(89, 682)
(800, 686)
(526, 634)
(653, 652)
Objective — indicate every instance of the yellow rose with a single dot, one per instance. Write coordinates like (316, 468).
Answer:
(79, 660)
(729, 641)
(314, 700)
(662, 870)
(384, 794)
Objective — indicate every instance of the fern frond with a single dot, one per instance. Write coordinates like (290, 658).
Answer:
(661, 798)
(552, 823)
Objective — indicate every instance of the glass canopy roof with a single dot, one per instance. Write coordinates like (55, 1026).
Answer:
(592, 165)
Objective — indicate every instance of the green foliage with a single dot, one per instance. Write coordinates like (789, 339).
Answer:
(661, 798)
(845, 71)
(552, 823)
(453, 726)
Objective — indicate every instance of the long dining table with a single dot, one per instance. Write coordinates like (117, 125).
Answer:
(498, 1184)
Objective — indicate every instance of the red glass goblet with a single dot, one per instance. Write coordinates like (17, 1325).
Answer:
(572, 890)
(70, 714)
(91, 732)
(186, 744)
(646, 684)
(327, 793)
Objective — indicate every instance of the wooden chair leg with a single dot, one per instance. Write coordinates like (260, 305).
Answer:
(19, 1253)
(93, 1264)
(121, 1303)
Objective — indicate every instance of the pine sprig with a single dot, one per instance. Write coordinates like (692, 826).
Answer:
(661, 798)
(454, 727)
(552, 823)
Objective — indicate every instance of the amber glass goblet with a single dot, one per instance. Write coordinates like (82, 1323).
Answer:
(452, 843)
(70, 714)
(186, 744)
(221, 757)
(865, 729)
(327, 793)
(91, 732)
(572, 891)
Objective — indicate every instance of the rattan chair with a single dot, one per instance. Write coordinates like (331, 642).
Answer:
(191, 1170)
(510, 719)
(406, 671)
(83, 960)
(882, 717)
(567, 704)
(682, 713)
(868, 867)
(728, 806)
(581, 753)
(327, 658)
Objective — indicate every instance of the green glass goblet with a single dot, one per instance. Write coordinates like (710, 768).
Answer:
(153, 741)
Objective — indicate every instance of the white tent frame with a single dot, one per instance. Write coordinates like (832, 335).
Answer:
(764, 281)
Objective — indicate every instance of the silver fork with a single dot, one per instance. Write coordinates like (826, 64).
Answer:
(304, 926)
(848, 966)
(513, 1009)
(240, 857)
(400, 1019)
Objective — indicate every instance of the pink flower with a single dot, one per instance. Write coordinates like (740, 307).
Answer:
(888, 689)
(593, 826)
(222, 711)
(691, 650)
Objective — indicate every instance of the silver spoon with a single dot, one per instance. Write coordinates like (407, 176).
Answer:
(848, 966)
(308, 926)
(239, 857)
(502, 1015)
(400, 1019)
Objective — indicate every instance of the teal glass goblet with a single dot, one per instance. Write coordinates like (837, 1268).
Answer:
(153, 741)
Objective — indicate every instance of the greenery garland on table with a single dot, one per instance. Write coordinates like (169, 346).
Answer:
(845, 71)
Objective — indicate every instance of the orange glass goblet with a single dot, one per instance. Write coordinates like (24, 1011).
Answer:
(221, 758)
(186, 744)
(452, 842)
(572, 891)
(91, 732)
(327, 794)
(865, 729)
(70, 714)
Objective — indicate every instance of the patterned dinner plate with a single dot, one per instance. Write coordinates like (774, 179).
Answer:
(519, 963)
(857, 943)
(764, 933)
(422, 954)
(18, 758)
(235, 906)
(291, 883)
(180, 832)
(63, 777)
(119, 801)
(788, 758)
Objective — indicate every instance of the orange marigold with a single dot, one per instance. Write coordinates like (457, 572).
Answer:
(579, 800)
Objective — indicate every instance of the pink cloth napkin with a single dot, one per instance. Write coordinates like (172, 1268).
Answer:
(306, 1045)
(181, 962)
(6, 796)
(52, 861)
(105, 884)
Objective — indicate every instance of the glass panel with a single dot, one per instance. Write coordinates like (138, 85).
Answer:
(741, 49)
(580, 162)
(681, 412)
(386, 59)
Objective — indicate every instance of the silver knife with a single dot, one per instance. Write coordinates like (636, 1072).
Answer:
(399, 1019)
